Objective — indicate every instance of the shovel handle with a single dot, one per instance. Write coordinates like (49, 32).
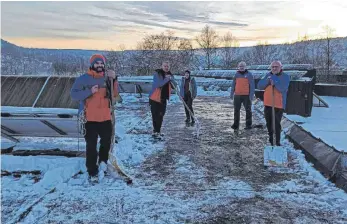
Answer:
(273, 114)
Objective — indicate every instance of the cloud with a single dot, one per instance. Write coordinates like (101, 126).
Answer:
(133, 20)
(180, 13)
(229, 24)
(103, 17)
(161, 25)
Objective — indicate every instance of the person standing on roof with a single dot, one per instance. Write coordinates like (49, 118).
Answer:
(188, 91)
(280, 81)
(93, 91)
(158, 96)
(242, 91)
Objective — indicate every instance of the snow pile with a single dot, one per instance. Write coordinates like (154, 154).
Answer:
(54, 170)
(134, 149)
(212, 91)
(213, 88)
(133, 98)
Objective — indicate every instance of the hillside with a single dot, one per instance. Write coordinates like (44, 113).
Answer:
(16, 60)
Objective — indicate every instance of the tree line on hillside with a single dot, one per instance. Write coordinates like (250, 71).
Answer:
(223, 52)
(213, 51)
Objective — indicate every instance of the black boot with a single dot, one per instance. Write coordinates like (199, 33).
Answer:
(234, 127)
(93, 178)
(248, 127)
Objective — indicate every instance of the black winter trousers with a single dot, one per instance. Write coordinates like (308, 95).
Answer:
(189, 101)
(93, 131)
(238, 101)
(158, 111)
(278, 128)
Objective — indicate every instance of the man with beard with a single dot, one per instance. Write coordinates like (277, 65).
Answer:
(160, 93)
(93, 91)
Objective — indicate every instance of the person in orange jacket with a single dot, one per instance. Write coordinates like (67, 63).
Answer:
(278, 80)
(158, 96)
(242, 92)
(93, 91)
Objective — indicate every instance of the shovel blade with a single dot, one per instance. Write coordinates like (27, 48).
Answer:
(275, 156)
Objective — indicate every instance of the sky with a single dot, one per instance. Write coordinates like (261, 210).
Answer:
(108, 25)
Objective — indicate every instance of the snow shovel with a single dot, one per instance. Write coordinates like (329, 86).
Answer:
(112, 157)
(197, 123)
(275, 156)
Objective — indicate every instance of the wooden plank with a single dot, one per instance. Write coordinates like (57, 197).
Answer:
(321, 100)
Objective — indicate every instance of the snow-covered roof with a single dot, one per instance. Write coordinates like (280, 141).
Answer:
(334, 131)
(285, 67)
(257, 74)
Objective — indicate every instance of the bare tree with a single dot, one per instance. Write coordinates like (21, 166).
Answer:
(116, 59)
(330, 49)
(230, 50)
(263, 53)
(315, 53)
(299, 51)
(185, 54)
(154, 49)
(208, 40)
(247, 56)
(60, 68)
